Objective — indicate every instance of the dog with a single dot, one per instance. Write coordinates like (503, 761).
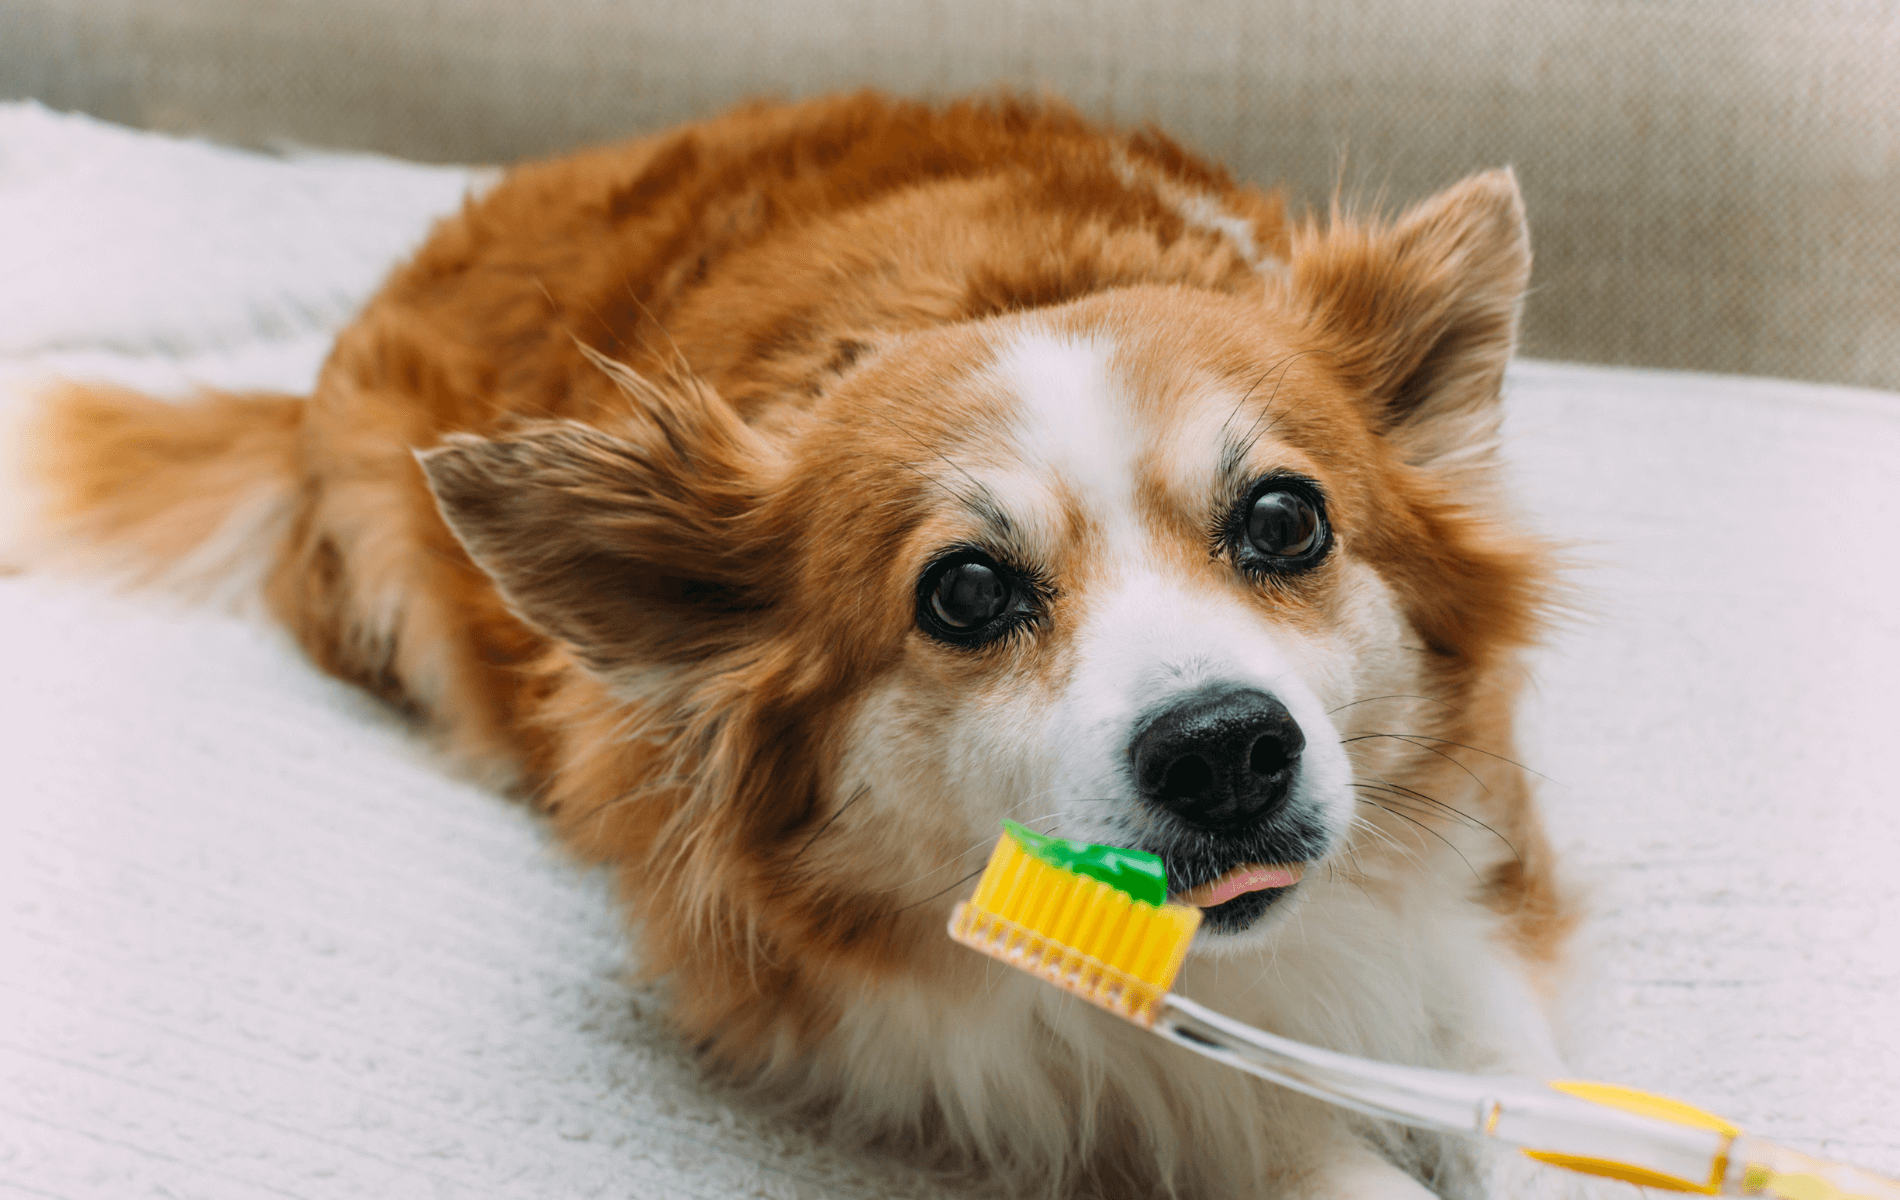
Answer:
(780, 502)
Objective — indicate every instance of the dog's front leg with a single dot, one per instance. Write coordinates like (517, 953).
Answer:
(1352, 1170)
(1508, 1031)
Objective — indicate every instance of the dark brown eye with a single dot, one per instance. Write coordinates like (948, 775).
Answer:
(1283, 524)
(968, 596)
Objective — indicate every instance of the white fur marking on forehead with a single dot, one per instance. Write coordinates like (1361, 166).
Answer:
(1202, 211)
(1073, 430)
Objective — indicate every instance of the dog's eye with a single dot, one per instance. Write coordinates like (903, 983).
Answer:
(1284, 524)
(968, 597)
(1279, 527)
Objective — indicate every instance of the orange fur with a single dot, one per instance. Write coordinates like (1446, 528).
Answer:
(698, 403)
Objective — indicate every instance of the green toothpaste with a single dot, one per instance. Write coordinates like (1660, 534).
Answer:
(1136, 872)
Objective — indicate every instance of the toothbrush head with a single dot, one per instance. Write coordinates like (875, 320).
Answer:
(1093, 920)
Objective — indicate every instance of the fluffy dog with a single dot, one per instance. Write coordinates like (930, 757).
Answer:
(782, 501)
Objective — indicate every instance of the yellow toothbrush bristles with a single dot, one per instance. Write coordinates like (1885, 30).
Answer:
(1076, 932)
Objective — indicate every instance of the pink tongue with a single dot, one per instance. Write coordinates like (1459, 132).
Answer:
(1238, 882)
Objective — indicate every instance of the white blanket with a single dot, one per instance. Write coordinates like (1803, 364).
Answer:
(254, 943)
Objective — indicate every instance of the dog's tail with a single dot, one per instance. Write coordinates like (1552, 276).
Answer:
(194, 498)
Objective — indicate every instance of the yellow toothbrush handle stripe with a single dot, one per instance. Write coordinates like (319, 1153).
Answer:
(1646, 1104)
(1701, 1180)
(1623, 1172)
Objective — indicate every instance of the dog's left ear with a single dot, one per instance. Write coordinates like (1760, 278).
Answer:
(1422, 313)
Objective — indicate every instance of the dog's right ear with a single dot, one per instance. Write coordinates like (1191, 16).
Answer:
(630, 547)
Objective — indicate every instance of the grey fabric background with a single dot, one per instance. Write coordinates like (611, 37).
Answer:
(1713, 184)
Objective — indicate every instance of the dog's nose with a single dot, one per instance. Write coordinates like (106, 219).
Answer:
(1219, 760)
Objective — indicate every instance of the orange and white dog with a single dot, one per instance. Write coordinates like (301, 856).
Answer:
(782, 501)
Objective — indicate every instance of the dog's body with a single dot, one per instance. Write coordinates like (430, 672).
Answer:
(806, 490)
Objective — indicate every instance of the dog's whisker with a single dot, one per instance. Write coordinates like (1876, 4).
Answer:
(1248, 395)
(974, 500)
(1394, 696)
(863, 790)
(1357, 877)
(1426, 737)
(1428, 829)
(1457, 813)
(1379, 781)
(1399, 737)
(1286, 365)
(934, 895)
(1399, 804)
(1359, 822)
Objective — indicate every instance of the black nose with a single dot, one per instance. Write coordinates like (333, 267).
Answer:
(1221, 759)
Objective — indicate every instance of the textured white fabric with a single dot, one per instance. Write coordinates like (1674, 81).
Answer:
(254, 942)
(1717, 727)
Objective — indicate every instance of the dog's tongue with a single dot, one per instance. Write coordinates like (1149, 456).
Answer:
(1251, 877)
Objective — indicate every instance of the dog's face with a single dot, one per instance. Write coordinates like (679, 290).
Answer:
(1129, 585)
(1110, 569)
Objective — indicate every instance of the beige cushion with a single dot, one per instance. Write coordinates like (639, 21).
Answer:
(1712, 184)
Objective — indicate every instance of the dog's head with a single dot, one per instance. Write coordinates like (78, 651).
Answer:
(1113, 568)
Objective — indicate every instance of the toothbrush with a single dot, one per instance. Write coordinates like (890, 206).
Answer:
(1096, 921)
